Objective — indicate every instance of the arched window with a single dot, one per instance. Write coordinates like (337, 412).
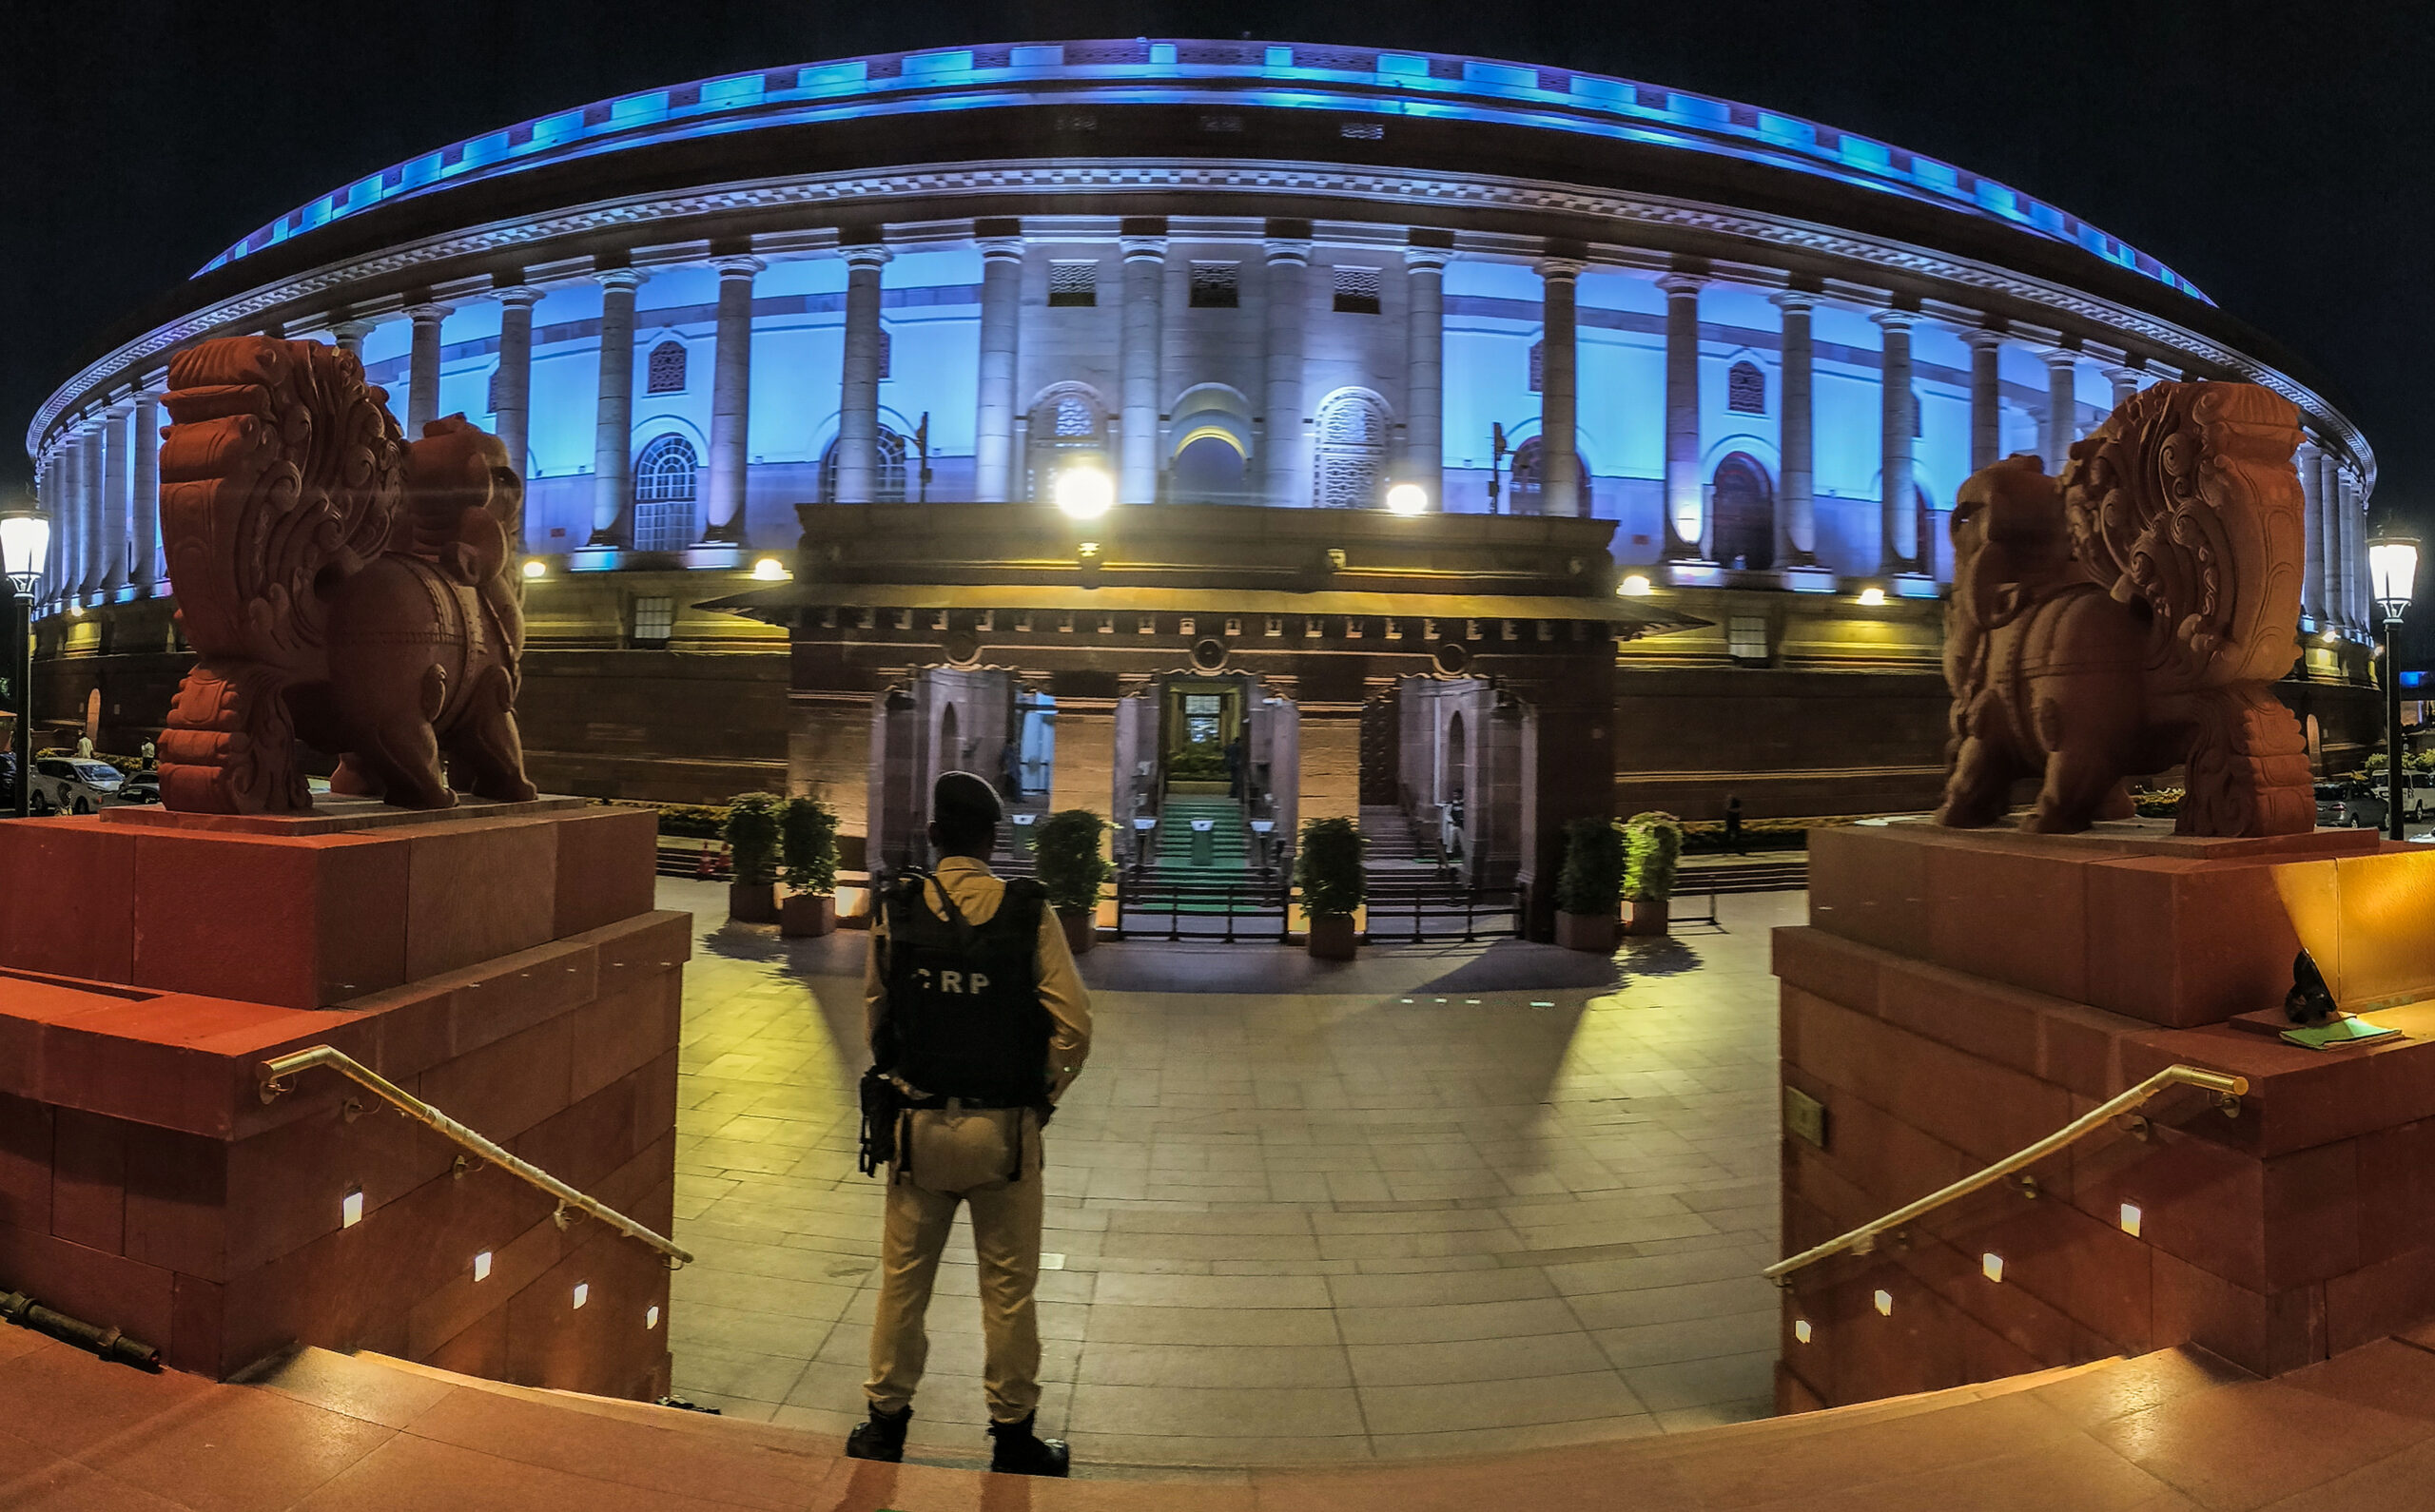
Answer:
(1521, 491)
(1352, 452)
(1538, 366)
(666, 371)
(1065, 421)
(1206, 467)
(664, 485)
(889, 486)
(1746, 389)
(1744, 507)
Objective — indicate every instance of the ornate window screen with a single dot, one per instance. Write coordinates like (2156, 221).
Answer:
(1216, 285)
(1074, 419)
(1746, 389)
(1074, 283)
(1352, 452)
(664, 486)
(1356, 289)
(666, 371)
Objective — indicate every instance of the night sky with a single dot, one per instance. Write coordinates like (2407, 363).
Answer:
(2276, 155)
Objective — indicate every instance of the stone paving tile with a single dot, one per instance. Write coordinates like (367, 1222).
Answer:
(1298, 1226)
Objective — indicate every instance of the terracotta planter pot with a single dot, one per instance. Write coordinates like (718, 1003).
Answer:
(1649, 916)
(808, 916)
(1592, 932)
(753, 902)
(1081, 928)
(1332, 937)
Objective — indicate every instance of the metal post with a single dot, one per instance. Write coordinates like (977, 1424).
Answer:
(2394, 791)
(22, 738)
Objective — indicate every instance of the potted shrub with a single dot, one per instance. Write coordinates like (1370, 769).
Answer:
(1652, 848)
(807, 863)
(1591, 887)
(753, 847)
(1067, 860)
(1328, 869)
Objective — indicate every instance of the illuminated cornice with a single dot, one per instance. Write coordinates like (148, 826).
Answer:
(1278, 76)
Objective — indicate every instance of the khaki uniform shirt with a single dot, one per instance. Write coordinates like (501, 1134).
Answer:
(977, 892)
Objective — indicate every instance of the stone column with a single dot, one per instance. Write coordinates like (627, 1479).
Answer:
(1685, 499)
(2330, 517)
(1424, 459)
(2125, 382)
(1898, 502)
(1145, 285)
(858, 392)
(349, 336)
(512, 416)
(2062, 399)
(91, 555)
(1559, 391)
(730, 404)
(422, 369)
(2352, 507)
(993, 445)
(144, 440)
(1986, 397)
(118, 498)
(612, 427)
(1796, 437)
(67, 516)
(1286, 472)
(2313, 516)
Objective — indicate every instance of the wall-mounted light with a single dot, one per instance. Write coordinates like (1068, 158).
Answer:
(482, 1265)
(536, 567)
(1635, 585)
(1801, 1331)
(582, 1292)
(770, 570)
(1885, 1304)
(1872, 597)
(1407, 498)
(1991, 1265)
(2130, 1220)
(351, 1210)
(1083, 491)
(651, 1317)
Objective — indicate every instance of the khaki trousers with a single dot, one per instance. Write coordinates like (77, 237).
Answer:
(962, 1157)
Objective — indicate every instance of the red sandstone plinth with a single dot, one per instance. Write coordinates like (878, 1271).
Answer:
(1958, 995)
(508, 968)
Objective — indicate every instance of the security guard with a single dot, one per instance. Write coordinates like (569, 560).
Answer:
(978, 1022)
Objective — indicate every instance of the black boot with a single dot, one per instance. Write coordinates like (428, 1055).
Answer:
(1020, 1451)
(880, 1437)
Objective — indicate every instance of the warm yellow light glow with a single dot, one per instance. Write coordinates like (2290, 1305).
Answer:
(350, 1210)
(1635, 585)
(75, 612)
(1885, 1304)
(1992, 1265)
(1084, 493)
(1408, 498)
(1872, 597)
(651, 1317)
(582, 1292)
(482, 1265)
(2392, 568)
(1801, 1331)
(2130, 1220)
(535, 567)
(770, 570)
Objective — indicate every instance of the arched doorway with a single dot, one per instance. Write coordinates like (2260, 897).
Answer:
(1450, 775)
(1208, 467)
(1745, 513)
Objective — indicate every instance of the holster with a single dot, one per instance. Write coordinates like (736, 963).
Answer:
(882, 1108)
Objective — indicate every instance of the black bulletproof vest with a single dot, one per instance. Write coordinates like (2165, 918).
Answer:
(964, 1012)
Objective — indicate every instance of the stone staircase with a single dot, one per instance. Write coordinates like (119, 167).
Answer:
(1396, 846)
(327, 1432)
(1231, 850)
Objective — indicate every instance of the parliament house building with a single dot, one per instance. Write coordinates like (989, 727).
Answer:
(1288, 430)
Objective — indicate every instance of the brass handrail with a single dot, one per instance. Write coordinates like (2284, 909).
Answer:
(2228, 1089)
(274, 1076)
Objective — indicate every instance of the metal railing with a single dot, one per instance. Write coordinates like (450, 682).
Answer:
(2228, 1090)
(276, 1078)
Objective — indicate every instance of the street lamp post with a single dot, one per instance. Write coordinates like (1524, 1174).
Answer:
(25, 544)
(2392, 570)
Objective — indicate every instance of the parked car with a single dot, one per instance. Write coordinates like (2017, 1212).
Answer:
(2418, 795)
(2351, 805)
(141, 787)
(64, 785)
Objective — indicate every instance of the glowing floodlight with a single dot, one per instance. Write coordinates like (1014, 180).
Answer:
(770, 570)
(350, 1210)
(1872, 597)
(2392, 566)
(1083, 491)
(536, 567)
(1635, 585)
(1407, 498)
(482, 1265)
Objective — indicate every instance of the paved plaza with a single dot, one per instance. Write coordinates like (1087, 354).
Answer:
(1447, 1198)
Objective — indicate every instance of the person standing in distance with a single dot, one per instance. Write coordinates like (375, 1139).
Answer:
(978, 1020)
